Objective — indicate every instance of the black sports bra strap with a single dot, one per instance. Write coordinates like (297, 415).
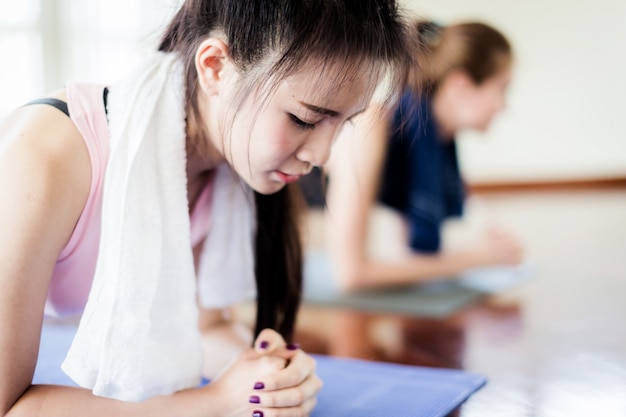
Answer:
(62, 105)
(59, 104)
(105, 99)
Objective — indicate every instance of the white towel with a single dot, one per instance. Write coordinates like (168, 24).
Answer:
(138, 336)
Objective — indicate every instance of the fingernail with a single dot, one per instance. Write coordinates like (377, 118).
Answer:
(259, 385)
(254, 399)
(293, 346)
(264, 344)
(257, 413)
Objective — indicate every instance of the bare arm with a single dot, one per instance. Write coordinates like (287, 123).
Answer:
(355, 171)
(45, 176)
(41, 194)
(44, 182)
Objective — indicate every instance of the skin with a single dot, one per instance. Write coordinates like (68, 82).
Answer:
(45, 175)
(353, 188)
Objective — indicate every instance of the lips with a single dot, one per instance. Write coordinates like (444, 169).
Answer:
(286, 178)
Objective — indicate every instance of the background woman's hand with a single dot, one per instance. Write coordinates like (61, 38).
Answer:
(498, 247)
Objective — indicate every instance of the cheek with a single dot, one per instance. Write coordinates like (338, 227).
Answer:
(485, 107)
(273, 140)
(496, 105)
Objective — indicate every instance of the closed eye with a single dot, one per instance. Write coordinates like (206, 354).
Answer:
(301, 123)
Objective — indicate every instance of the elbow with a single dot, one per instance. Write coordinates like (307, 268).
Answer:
(6, 402)
(11, 398)
(6, 405)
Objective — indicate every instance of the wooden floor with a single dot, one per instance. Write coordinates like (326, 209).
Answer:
(555, 346)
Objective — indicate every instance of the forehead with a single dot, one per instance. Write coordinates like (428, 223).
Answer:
(341, 88)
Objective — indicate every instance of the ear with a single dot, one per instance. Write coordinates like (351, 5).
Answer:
(459, 82)
(213, 64)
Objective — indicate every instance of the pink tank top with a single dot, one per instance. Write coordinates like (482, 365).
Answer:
(74, 270)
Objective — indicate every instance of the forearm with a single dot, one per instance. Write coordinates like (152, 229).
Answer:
(61, 401)
(222, 342)
(368, 273)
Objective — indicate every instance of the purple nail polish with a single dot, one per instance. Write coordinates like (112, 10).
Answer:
(257, 413)
(259, 385)
(264, 344)
(293, 346)
(254, 399)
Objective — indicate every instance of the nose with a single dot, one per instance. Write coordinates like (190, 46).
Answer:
(316, 148)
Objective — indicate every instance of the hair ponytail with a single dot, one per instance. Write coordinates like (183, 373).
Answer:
(475, 48)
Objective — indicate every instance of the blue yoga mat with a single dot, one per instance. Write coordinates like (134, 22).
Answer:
(351, 387)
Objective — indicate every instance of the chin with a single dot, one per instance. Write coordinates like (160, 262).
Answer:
(482, 128)
(267, 188)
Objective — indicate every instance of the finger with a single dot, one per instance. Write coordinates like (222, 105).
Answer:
(290, 397)
(268, 340)
(303, 411)
(287, 351)
(299, 368)
(262, 364)
(270, 364)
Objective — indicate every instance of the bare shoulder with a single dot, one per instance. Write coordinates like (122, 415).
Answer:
(44, 136)
(44, 159)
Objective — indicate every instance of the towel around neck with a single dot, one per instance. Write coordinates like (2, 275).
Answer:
(138, 336)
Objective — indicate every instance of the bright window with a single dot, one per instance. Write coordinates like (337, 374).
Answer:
(20, 45)
(45, 43)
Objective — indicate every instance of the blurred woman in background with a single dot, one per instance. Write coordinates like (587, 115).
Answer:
(407, 160)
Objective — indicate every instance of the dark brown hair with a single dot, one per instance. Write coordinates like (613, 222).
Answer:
(475, 48)
(352, 35)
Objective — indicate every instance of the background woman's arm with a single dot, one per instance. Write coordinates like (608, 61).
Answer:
(355, 171)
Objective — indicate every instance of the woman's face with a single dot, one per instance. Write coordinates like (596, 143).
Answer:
(479, 103)
(277, 143)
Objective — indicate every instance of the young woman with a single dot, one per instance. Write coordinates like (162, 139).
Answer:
(407, 160)
(181, 170)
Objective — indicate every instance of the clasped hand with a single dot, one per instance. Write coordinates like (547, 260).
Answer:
(272, 379)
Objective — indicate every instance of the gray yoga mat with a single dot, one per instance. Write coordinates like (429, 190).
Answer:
(431, 300)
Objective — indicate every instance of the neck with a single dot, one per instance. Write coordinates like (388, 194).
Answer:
(443, 115)
(200, 166)
(202, 154)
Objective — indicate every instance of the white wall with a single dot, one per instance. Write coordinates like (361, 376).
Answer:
(567, 103)
(566, 118)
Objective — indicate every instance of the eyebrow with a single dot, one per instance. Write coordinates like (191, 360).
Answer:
(357, 113)
(320, 110)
